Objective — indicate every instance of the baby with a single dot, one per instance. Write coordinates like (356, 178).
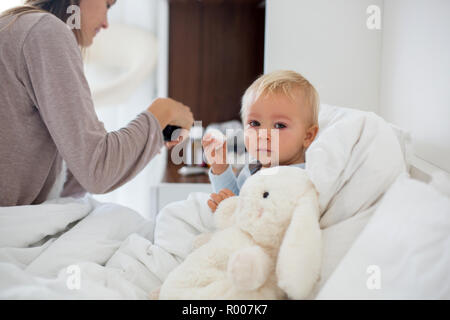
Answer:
(281, 106)
(280, 117)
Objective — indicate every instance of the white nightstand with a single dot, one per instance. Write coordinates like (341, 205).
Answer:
(165, 193)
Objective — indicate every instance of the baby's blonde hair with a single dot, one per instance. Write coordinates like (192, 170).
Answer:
(285, 82)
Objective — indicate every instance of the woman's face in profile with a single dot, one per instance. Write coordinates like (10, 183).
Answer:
(94, 17)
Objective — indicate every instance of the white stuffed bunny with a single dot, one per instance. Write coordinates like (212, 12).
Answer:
(267, 244)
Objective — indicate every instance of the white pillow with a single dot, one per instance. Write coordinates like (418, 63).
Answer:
(404, 251)
(330, 114)
(353, 161)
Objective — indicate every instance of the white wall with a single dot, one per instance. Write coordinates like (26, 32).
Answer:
(162, 33)
(329, 43)
(140, 13)
(150, 15)
(7, 4)
(402, 71)
(415, 82)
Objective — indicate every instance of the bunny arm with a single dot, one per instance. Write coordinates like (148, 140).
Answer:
(201, 239)
(224, 215)
(223, 218)
(154, 295)
(249, 268)
(300, 255)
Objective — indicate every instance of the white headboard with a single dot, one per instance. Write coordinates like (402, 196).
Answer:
(401, 71)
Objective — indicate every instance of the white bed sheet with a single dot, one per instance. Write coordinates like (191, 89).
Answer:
(38, 244)
(354, 160)
(404, 251)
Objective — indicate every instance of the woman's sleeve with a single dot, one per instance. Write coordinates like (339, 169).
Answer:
(100, 161)
(72, 188)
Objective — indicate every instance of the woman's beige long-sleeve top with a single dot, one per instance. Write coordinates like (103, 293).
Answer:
(47, 115)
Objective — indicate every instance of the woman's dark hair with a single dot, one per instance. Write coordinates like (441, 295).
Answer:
(55, 7)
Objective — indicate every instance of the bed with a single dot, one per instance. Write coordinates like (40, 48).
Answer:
(385, 234)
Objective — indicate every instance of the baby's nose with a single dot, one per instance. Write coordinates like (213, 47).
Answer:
(264, 134)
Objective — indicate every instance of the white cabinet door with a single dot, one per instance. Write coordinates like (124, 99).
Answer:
(165, 193)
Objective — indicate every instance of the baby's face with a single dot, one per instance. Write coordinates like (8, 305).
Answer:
(274, 114)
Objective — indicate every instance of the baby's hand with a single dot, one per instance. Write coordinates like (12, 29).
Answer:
(217, 198)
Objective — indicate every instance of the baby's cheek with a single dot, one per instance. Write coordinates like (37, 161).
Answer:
(286, 143)
(292, 145)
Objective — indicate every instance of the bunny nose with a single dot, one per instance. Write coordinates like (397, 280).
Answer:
(260, 212)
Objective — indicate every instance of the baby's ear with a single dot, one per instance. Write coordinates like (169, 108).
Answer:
(311, 134)
(224, 216)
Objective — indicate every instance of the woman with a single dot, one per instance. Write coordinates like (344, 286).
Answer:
(47, 118)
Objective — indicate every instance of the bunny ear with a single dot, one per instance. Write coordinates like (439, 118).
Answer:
(300, 256)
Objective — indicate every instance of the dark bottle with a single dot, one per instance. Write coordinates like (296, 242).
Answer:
(168, 131)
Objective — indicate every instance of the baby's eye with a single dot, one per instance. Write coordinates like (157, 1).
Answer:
(280, 125)
(254, 123)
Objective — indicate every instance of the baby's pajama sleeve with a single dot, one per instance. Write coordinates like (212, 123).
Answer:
(225, 180)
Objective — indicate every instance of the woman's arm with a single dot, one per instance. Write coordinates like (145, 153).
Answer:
(54, 77)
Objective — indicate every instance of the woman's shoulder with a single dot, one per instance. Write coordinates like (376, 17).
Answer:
(43, 21)
(28, 21)
(47, 38)
(42, 25)
(50, 32)
(16, 30)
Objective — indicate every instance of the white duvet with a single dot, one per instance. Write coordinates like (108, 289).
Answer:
(38, 243)
(84, 249)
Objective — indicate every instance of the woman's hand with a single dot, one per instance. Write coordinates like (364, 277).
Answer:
(215, 148)
(168, 111)
(171, 144)
(217, 198)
